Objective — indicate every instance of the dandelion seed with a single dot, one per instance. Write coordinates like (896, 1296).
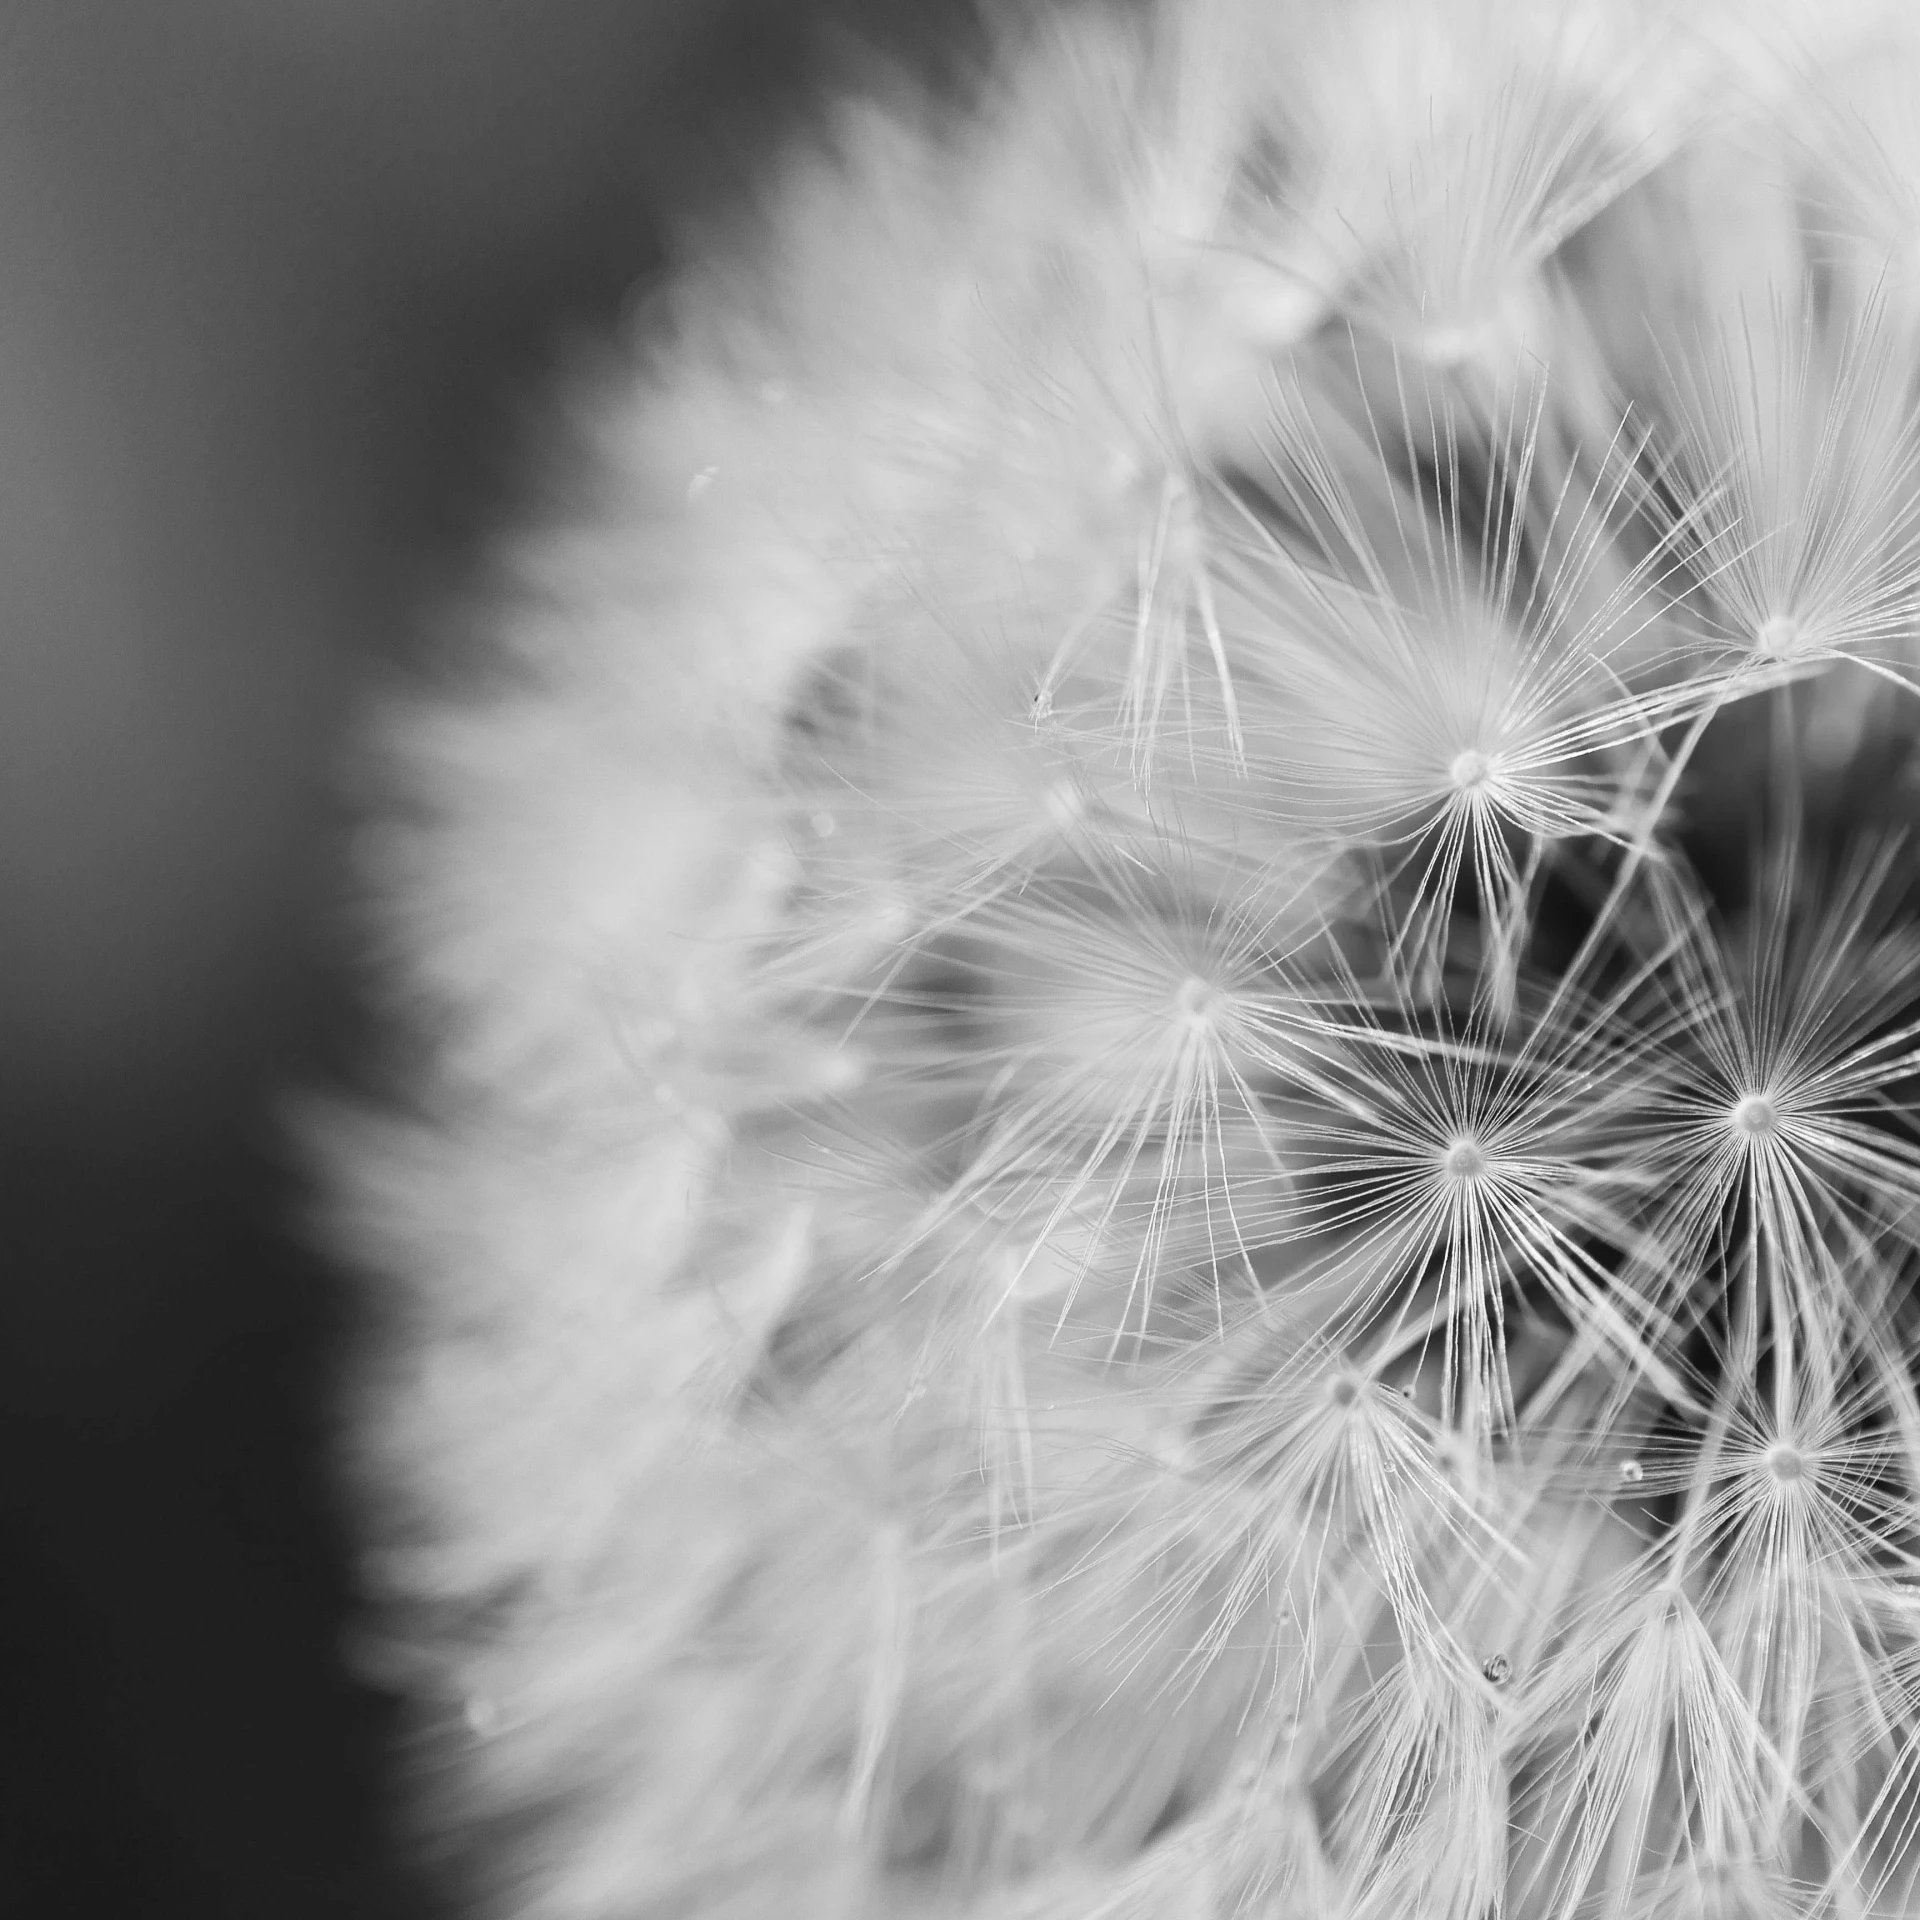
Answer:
(1446, 680)
(1796, 459)
(1778, 1125)
(1450, 154)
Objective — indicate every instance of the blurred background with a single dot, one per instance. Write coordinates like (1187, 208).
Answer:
(280, 281)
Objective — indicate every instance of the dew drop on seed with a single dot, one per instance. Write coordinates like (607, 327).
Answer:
(482, 1715)
(1463, 1158)
(1343, 1390)
(824, 825)
(1631, 1473)
(1753, 1115)
(1498, 1669)
(1786, 1463)
(1778, 636)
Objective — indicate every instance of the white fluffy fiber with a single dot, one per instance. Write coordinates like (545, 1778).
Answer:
(879, 1410)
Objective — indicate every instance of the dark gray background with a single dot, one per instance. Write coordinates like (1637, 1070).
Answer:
(279, 281)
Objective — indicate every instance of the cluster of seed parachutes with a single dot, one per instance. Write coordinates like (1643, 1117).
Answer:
(1263, 1269)
(1373, 1191)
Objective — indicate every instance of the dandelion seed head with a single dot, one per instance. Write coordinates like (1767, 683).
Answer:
(1298, 1130)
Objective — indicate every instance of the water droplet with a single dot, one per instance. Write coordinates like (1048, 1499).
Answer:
(482, 1715)
(1778, 636)
(1786, 1463)
(824, 825)
(1463, 1159)
(1498, 1669)
(1754, 1115)
(1343, 1389)
(1631, 1473)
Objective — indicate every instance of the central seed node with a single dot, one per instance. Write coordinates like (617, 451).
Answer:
(1196, 1004)
(1786, 1463)
(1463, 1159)
(1753, 1115)
(1470, 769)
(1778, 636)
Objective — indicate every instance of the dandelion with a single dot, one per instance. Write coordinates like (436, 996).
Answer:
(1166, 1008)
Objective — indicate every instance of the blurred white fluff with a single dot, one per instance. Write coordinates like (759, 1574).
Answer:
(1091, 1218)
